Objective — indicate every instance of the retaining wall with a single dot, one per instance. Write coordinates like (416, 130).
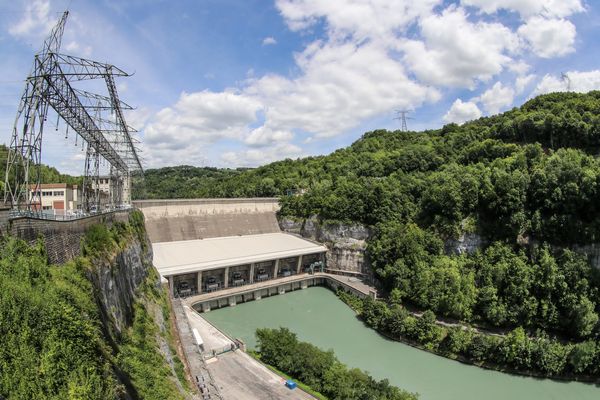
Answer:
(62, 238)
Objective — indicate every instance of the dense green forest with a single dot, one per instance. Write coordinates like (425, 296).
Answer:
(526, 181)
(55, 342)
(321, 370)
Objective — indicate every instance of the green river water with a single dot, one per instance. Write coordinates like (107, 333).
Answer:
(317, 316)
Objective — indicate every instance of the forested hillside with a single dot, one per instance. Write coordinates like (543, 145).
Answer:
(58, 342)
(526, 181)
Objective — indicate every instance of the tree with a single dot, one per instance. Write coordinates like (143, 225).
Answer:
(582, 357)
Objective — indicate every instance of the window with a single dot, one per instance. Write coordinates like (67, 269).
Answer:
(46, 193)
(59, 193)
(47, 208)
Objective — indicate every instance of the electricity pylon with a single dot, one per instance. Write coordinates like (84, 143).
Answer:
(49, 85)
(401, 115)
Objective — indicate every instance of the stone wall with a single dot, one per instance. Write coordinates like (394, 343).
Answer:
(62, 238)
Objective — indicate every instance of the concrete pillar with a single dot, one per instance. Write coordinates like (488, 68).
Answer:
(199, 282)
(251, 277)
(299, 268)
(226, 280)
(171, 284)
(276, 268)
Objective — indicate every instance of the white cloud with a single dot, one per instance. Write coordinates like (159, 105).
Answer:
(522, 82)
(456, 52)
(138, 117)
(461, 112)
(35, 22)
(182, 132)
(269, 41)
(527, 8)
(549, 37)
(263, 136)
(375, 56)
(253, 157)
(519, 67)
(497, 98)
(359, 19)
(574, 81)
(340, 85)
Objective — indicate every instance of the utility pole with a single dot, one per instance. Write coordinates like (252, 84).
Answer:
(401, 115)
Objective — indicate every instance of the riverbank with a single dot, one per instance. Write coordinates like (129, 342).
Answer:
(452, 341)
(320, 318)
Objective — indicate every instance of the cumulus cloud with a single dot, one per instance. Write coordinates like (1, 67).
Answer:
(253, 157)
(461, 112)
(527, 8)
(263, 136)
(182, 131)
(361, 20)
(373, 57)
(574, 81)
(269, 41)
(456, 52)
(522, 82)
(36, 20)
(549, 37)
(340, 85)
(497, 98)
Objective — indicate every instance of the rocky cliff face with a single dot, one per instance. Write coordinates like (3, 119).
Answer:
(346, 242)
(466, 243)
(117, 279)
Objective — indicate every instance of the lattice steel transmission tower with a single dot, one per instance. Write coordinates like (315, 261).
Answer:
(107, 136)
(401, 115)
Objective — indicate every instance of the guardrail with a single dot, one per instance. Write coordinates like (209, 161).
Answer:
(14, 214)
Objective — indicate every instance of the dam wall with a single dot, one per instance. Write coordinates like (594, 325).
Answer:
(192, 219)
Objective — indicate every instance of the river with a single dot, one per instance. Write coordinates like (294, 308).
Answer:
(317, 316)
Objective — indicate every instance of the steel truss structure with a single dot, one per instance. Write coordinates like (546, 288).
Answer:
(109, 138)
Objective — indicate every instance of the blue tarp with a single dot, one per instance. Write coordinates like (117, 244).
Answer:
(290, 384)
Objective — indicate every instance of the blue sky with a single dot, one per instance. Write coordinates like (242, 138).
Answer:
(233, 83)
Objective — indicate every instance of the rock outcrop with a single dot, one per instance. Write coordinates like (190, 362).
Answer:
(346, 243)
(117, 279)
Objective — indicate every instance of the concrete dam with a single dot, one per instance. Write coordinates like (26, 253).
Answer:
(211, 248)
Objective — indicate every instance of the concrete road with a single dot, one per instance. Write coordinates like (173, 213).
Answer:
(237, 375)
(213, 338)
(240, 377)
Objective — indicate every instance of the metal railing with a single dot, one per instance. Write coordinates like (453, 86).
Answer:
(68, 216)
